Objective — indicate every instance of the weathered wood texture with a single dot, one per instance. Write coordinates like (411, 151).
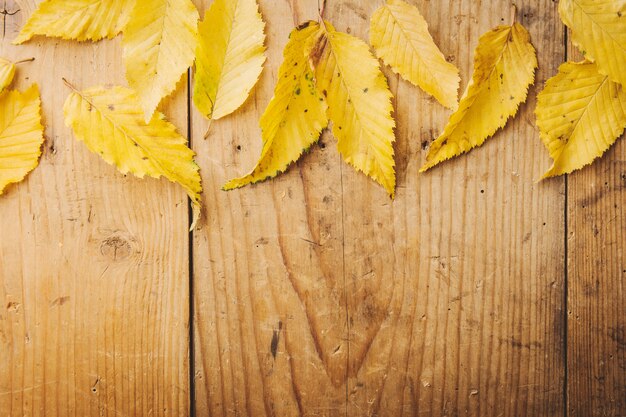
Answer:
(94, 294)
(317, 295)
(313, 294)
(596, 299)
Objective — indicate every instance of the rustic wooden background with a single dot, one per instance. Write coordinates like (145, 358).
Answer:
(477, 292)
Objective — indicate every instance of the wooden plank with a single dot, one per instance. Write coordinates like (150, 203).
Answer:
(93, 264)
(267, 264)
(596, 268)
(316, 295)
(469, 297)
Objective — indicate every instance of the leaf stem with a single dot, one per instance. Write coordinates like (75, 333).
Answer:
(513, 14)
(21, 61)
(294, 14)
(208, 129)
(68, 84)
(321, 8)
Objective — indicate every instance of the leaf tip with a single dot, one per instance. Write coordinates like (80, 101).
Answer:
(21, 38)
(551, 173)
(231, 185)
(241, 182)
(425, 167)
(208, 129)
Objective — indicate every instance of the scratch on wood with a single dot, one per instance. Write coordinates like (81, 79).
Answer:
(275, 339)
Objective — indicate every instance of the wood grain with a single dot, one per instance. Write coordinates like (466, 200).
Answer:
(596, 266)
(268, 265)
(93, 264)
(314, 294)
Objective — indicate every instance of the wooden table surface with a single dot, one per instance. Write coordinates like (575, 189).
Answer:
(477, 292)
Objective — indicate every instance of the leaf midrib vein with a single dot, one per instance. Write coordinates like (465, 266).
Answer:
(404, 32)
(589, 16)
(342, 81)
(473, 98)
(13, 119)
(592, 98)
(226, 53)
(126, 135)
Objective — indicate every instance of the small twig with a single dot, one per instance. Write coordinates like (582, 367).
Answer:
(513, 14)
(21, 61)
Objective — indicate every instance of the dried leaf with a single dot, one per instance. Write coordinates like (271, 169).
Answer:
(21, 134)
(359, 103)
(296, 114)
(599, 31)
(504, 68)
(580, 114)
(229, 57)
(7, 73)
(159, 46)
(77, 19)
(111, 123)
(400, 36)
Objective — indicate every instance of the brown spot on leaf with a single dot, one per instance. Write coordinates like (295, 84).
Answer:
(318, 49)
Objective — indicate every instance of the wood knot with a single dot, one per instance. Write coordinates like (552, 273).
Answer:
(12, 306)
(117, 247)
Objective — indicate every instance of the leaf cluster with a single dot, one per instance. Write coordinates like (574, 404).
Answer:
(328, 79)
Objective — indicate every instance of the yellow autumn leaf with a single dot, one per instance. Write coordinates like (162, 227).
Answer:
(359, 103)
(159, 45)
(400, 36)
(77, 19)
(21, 134)
(111, 123)
(580, 114)
(294, 117)
(504, 68)
(229, 56)
(598, 29)
(7, 73)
